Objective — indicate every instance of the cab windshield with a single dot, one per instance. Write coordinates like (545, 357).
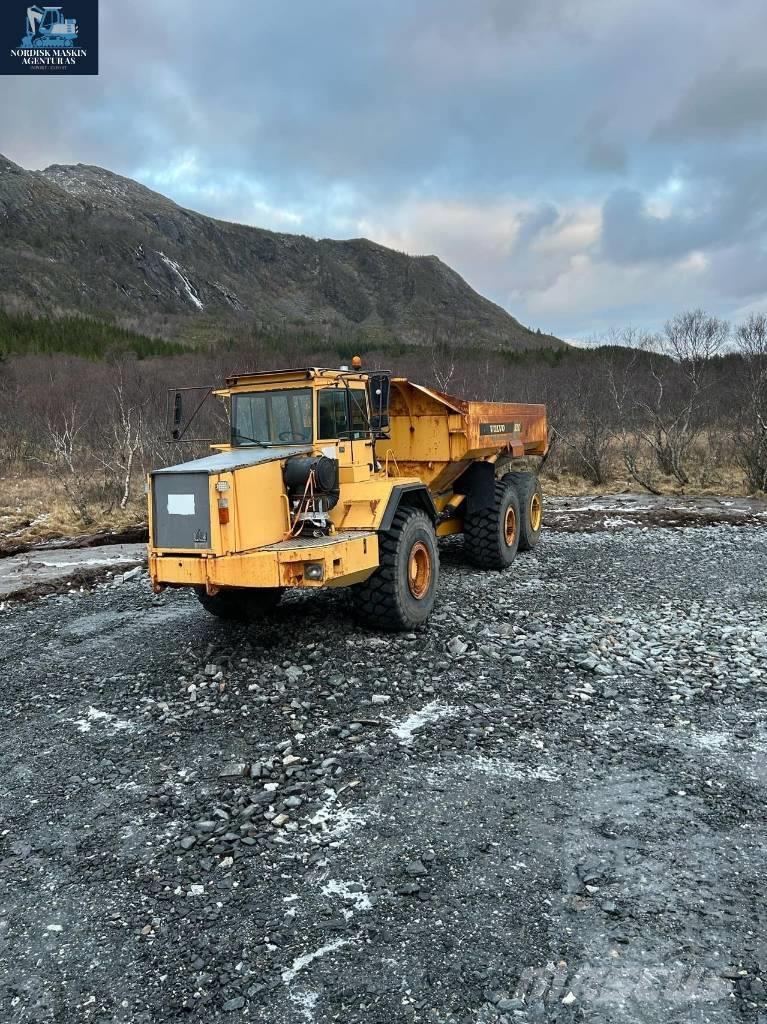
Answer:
(272, 417)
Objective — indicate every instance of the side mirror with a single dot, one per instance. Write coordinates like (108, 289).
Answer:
(378, 391)
(178, 411)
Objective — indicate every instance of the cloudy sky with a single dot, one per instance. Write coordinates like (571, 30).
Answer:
(585, 163)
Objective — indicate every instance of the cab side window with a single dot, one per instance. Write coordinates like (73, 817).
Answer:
(360, 426)
(331, 413)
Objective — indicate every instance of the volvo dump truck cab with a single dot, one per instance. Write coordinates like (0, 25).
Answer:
(340, 478)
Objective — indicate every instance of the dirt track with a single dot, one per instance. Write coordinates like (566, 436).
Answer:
(549, 805)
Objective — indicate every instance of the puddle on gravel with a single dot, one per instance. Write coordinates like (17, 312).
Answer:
(97, 624)
(85, 626)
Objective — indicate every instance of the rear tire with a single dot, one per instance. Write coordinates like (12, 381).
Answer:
(530, 507)
(491, 535)
(240, 604)
(401, 593)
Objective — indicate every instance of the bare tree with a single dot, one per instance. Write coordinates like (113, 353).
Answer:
(622, 377)
(694, 338)
(442, 362)
(679, 378)
(663, 404)
(122, 441)
(14, 434)
(751, 429)
(62, 455)
(585, 430)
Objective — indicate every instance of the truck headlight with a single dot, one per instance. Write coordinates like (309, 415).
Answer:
(314, 570)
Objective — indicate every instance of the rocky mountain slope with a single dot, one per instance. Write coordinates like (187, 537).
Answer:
(80, 239)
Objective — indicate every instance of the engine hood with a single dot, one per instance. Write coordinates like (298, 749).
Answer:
(238, 458)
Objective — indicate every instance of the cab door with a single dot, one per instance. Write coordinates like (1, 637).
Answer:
(343, 425)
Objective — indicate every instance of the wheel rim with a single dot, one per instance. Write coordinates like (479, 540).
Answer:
(536, 512)
(419, 570)
(510, 525)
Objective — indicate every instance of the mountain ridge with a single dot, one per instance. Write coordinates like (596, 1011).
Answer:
(79, 239)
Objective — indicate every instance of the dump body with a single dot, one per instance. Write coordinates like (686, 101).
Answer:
(237, 519)
(435, 436)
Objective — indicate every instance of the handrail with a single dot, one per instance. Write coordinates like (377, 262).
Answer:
(390, 452)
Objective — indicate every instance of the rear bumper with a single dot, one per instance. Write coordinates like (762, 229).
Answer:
(346, 558)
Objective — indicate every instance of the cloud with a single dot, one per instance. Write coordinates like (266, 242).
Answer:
(741, 272)
(722, 104)
(712, 207)
(558, 153)
(519, 250)
(604, 155)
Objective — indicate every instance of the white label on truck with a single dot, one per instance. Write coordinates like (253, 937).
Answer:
(180, 504)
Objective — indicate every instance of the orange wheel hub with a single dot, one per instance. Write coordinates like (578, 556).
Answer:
(536, 512)
(510, 525)
(419, 570)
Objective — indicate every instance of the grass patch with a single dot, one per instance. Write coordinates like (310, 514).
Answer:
(33, 509)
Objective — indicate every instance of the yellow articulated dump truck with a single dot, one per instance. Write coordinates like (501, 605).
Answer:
(341, 478)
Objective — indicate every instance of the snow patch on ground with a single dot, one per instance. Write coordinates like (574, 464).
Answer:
(708, 740)
(91, 185)
(303, 961)
(305, 1003)
(720, 751)
(432, 712)
(23, 529)
(334, 821)
(94, 716)
(358, 898)
(510, 769)
(77, 562)
(619, 523)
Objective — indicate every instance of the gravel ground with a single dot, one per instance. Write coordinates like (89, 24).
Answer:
(548, 805)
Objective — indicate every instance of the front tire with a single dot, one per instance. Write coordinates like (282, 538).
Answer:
(491, 535)
(530, 507)
(240, 604)
(400, 594)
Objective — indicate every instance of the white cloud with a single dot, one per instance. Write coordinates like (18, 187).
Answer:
(579, 161)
